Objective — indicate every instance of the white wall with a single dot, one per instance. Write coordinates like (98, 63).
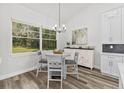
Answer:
(90, 17)
(20, 63)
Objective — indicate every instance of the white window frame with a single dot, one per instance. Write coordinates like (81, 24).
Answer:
(32, 24)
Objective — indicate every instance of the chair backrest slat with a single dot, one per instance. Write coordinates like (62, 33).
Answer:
(39, 53)
(76, 57)
(54, 61)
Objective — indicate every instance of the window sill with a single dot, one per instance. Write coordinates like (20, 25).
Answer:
(23, 54)
(28, 53)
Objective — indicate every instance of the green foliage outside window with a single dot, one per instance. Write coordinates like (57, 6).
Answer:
(26, 38)
(48, 39)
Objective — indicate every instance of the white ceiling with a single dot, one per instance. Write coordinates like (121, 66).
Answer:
(68, 10)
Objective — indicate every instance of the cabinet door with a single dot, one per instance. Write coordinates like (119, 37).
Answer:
(105, 29)
(123, 25)
(111, 26)
(114, 69)
(86, 58)
(81, 57)
(105, 65)
(109, 64)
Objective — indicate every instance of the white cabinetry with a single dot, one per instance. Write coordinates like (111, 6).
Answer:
(111, 26)
(123, 25)
(105, 65)
(86, 57)
(109, 64)
(121, 75)
(112, 33)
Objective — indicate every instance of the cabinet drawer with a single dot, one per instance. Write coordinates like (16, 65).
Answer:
(83, 60)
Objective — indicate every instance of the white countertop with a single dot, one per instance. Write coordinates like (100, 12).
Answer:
(63, 54)
(113, 54)
(121, 72)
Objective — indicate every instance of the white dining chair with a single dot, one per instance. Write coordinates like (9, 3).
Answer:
(74, 64)
(55, 68)
(41, 63)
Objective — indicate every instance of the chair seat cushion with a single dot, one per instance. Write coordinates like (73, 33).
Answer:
(43, 61)
(70, 62)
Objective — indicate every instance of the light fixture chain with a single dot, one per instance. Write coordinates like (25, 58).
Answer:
(59, 29)
(59, 16)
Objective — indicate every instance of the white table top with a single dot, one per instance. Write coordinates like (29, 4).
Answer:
(64, 54)
(121, 71)
(112, 54)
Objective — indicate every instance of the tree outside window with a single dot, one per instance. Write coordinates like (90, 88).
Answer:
(48, 39)
(25, 38)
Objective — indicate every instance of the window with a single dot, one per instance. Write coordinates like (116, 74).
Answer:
(25, 38)
(48, 39)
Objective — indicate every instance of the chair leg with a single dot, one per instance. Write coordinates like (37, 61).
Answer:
(61, 79)
(65, 72)
(47, 84)
(77, 72)
(48, 79)
(37, 72)
(61, 84)
(77, 76)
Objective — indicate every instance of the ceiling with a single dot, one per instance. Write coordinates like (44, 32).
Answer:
(68, 10)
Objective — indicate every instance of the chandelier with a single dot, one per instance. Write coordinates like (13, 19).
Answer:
(59, 29)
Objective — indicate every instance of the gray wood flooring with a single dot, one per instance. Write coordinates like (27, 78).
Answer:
(87, 80)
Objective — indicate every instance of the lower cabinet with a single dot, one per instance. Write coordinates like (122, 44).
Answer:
(120, 83)
(109, 64)
(86, 57)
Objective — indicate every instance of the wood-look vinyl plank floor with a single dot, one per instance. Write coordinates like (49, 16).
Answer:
(87, 80)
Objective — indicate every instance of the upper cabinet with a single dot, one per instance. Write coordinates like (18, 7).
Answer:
(111, 26)
(123, 25)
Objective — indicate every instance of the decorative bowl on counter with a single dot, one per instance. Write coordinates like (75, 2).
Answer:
(57, 51)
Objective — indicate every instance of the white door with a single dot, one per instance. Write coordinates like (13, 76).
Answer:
(111, 26)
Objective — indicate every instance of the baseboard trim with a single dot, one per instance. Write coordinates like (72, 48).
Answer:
(96, 67)
(16, 73)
